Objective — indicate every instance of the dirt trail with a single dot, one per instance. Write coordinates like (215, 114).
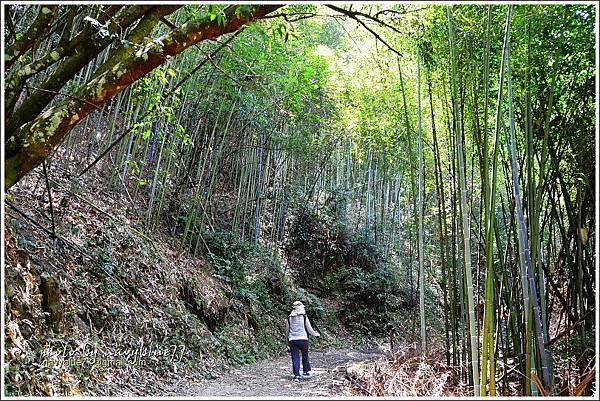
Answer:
(274, 377)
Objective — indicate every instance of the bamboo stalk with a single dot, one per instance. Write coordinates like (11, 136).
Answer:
(522, 229)
(420, 216)
(490, 198)
(465, 217)
(441, 201)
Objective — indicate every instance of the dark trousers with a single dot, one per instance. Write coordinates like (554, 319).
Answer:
(297, 347)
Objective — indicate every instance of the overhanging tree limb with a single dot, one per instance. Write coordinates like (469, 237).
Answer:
(88, 48)
(41, 23)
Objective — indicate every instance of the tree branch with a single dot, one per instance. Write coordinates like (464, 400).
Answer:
(355, 14)
(69, 67)
(293, 17)
(37, 28)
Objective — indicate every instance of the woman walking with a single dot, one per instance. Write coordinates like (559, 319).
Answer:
(298, 328)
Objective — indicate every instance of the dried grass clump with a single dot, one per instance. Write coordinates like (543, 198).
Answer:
(406, 374)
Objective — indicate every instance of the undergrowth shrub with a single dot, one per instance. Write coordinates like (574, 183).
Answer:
(256, 279)
(227, 254)
(270, 278)
(331, 261)
(306, 246)
(370, 299)
(314, 307)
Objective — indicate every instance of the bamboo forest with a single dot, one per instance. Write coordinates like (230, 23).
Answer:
(201, 199)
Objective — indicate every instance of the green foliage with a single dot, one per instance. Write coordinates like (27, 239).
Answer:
(370, 298)
(226, 244)
(258, 292)
(306, 234)
(320, 243)
(150, 91)
(282, 30)
(214, 12)
(273, 281)
(227, 252)
(259, 282)
(313, 306)
(236, 346)
(105, 261)
(242, 9)
(327, 258)
(255, 277)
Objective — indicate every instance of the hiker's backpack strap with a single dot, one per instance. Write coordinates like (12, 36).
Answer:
(307, 335)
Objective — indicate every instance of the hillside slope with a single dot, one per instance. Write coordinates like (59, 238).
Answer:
(131, 309)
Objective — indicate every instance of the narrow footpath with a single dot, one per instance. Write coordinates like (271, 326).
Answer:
(273, 378)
